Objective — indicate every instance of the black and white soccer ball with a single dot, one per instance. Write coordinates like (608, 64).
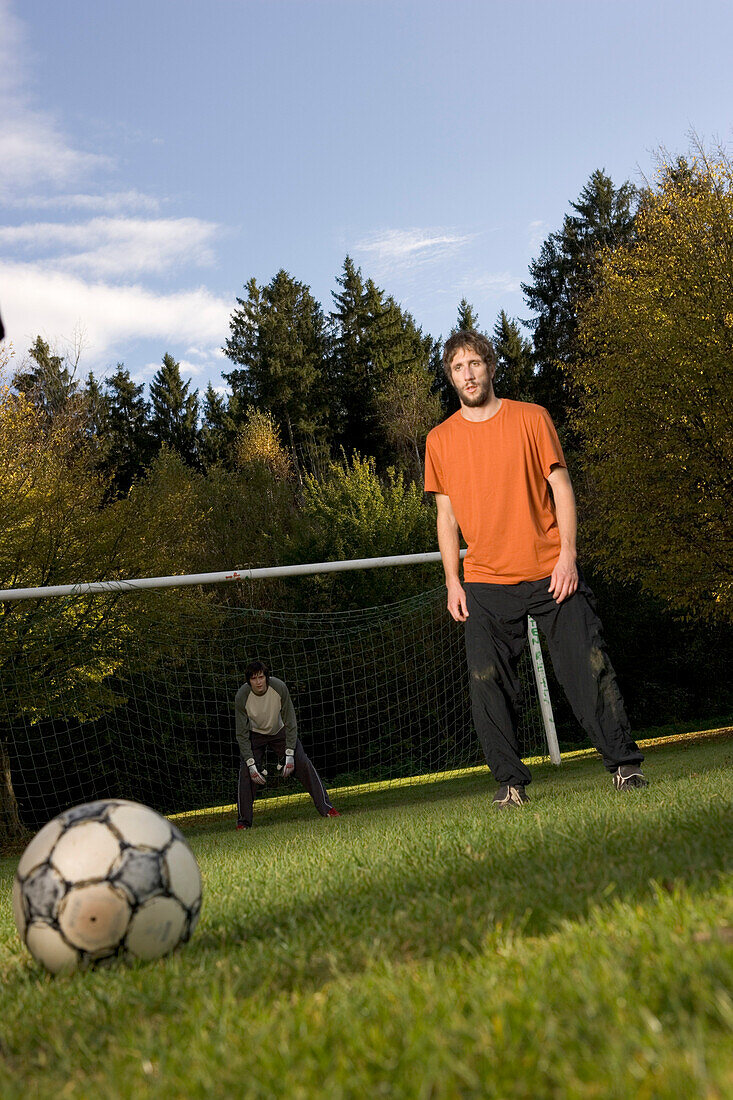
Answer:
(106, 879)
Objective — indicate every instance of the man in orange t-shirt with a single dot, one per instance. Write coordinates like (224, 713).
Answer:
(499, 477)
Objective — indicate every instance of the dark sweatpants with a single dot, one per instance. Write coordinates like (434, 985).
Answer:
(496, 633)
(304, 771)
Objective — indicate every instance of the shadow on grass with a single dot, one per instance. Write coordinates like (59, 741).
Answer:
(430, 790)
(525, 873)
(445, 893)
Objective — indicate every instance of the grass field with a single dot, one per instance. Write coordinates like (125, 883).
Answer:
(421, 946)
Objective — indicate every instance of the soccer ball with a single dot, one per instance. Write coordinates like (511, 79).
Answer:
(106, 879)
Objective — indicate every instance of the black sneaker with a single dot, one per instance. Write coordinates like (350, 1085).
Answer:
(508, 797)
(628, 777)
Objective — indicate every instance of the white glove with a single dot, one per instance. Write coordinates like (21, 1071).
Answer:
(254, 773)
(289, 765)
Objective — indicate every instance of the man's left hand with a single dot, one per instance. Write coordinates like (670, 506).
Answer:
(289, 765)
(564, 579)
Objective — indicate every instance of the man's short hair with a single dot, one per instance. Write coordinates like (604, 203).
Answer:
(254, 667)
(467, 338)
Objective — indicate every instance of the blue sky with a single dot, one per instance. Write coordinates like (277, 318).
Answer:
(156, 154)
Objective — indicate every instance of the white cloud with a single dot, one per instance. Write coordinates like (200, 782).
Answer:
(55, 304)
(188, 371)
(33, 150)
(146, 373)
(113, 247)
(536, 233)
(62, 280)
(495, 283)
(206, 353)
(394, 248)
(116, 202)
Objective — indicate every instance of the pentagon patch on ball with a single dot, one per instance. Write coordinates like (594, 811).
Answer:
(108, 879)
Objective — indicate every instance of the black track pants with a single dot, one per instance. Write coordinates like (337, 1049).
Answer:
(496, 633)
(304, 771)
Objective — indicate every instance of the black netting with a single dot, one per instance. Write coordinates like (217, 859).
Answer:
(97, 701)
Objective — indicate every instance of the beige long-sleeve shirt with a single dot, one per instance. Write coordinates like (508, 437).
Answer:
(265, 714)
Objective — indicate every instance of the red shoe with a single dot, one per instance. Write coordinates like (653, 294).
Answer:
(244, 826)
(333, 813)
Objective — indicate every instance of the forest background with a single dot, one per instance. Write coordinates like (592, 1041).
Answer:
(315, 452)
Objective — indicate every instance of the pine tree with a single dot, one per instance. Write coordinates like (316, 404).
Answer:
(351, 371)
(218, 429)
(174, 420)
(466, 321)
(514, 368)
(374, 340)
(48, 380)
(242, 345)
(563, 274)
(279, 341)
(128, 444)
(97, 412)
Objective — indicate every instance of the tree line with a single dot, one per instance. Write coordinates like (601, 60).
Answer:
(315, 451)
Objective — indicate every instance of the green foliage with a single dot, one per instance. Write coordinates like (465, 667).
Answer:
(408, 410)
(374, 340)
(251, 513)
(655, 414)
(355, 513)
(218, 430)
(57, 656)
(174, 418)
(127, 443)
(279, 343)
(52, 526)
(564, 273)
(169, 512)
(48, 380)
(515, 365)
(352, 512)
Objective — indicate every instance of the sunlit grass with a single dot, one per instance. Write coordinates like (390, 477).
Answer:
(422, 946)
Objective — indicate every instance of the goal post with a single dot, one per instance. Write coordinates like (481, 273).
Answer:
(543, 691)
(380, 694)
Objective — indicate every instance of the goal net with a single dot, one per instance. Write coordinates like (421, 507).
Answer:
(132, 695)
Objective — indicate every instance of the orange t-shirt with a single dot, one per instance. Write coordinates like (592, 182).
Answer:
(495, 473)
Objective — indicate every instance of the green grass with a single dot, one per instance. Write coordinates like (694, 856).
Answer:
(420, 947)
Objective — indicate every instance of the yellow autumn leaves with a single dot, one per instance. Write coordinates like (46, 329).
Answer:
(656, 404)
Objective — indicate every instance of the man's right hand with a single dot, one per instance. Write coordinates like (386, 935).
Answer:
(255, 775)
(457, 602)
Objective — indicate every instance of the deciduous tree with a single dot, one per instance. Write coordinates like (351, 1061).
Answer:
(408, 409)
(656, 412)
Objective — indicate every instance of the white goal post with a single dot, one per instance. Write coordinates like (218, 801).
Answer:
(134, 584)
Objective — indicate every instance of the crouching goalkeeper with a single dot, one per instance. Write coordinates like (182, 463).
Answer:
(265, 718)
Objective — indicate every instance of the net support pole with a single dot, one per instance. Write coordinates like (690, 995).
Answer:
(543, 692)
